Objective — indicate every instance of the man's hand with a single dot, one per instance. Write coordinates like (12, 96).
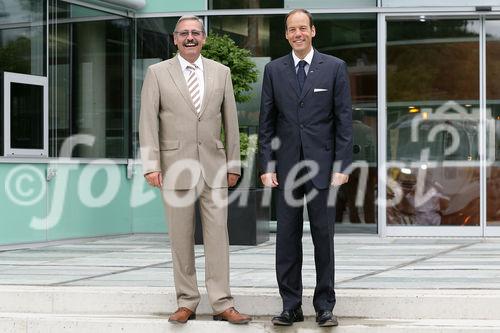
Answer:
(269, 179)
(154, 179)
(339, 179)
(232, 179)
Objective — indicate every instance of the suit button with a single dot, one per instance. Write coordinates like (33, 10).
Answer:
(301, 126)
(199, 143)
(301, 104)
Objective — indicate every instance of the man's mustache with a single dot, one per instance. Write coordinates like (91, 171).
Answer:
(192, 42)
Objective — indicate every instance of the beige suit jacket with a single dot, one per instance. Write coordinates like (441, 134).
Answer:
(178, 141)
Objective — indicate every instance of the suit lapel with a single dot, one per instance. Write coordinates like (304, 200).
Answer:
(314, 70)
(175, 71)
(291, 74)
(208, 78)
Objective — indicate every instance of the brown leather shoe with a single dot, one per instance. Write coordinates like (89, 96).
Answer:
(181, 316)
(233, 316)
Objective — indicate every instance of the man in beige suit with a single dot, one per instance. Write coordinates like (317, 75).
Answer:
(184, 102)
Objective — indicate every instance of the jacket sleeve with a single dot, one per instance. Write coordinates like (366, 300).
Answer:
(267, 125)
(231, 127)
(343, 118)
(149, 123)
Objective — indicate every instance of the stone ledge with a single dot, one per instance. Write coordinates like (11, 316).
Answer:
(361, 303)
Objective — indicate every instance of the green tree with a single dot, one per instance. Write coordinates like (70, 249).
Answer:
(243, 70)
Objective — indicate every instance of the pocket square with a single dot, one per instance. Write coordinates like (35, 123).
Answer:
(319, 90)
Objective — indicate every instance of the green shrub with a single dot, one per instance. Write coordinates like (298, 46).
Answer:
(243, 70)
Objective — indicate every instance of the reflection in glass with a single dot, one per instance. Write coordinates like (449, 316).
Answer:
(351, 38)
(240, 4)
(26, 112)
(330, 3)
(90, 94)
(22, 11)
(155, 38)
(492, 28)
(432, 122)
(264, 37)
(154, 43)
(22, 49)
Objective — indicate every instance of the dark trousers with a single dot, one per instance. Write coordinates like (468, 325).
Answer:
(289, 247)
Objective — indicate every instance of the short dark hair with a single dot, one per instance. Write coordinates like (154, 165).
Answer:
(299, 10)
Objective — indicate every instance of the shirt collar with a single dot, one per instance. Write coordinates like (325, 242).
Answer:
(184, 63)
(308, 58)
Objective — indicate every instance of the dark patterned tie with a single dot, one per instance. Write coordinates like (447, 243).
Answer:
(301, 73)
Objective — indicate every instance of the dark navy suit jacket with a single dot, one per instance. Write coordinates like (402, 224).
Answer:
(317, 120)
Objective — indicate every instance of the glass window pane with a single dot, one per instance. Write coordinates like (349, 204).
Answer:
(441, 3)
(330, 3)
(432, 121)
(90, 83)
(239, 4)
(26, 112)
(155, 38)
(22, 11)
(351, 38)
(492, 28)
(23, 48)
(154, 43)
(21, 52)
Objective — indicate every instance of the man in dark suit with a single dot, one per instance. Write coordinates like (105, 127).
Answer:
(305, 119)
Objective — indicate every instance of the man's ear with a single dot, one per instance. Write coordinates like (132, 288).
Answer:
(313, 31)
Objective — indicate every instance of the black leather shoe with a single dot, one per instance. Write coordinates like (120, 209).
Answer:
(288, 317)
(326, 318)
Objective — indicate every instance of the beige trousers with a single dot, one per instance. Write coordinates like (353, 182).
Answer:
(181, 221)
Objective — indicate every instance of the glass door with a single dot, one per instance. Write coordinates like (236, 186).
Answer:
(432, 101)
(492, 114)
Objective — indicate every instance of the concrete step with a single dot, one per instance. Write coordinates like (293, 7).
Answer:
(358, 303)
(50, 323)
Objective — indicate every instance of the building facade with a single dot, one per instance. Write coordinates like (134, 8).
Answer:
(423, 80)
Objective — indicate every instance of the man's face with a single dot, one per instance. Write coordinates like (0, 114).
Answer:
(189, 39)
(299, 34)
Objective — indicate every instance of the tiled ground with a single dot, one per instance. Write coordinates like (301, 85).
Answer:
(362, 261)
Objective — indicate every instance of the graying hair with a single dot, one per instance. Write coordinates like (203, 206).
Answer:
(193, 18)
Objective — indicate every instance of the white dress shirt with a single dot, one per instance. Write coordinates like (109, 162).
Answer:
(198, 71)
(308, 58)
